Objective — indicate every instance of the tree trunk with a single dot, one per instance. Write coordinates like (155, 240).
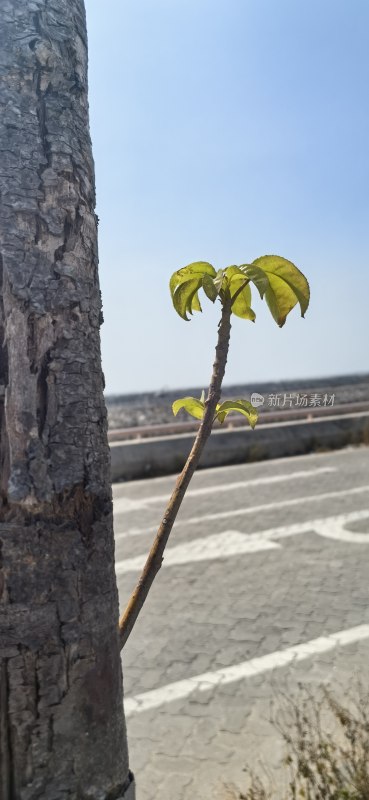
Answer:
(62, 730)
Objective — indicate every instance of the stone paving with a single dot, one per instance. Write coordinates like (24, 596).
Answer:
(205, 616)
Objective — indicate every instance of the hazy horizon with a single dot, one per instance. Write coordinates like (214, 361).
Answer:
(310, 379)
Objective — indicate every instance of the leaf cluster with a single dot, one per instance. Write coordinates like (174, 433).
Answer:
(196, 408)
(275, 278)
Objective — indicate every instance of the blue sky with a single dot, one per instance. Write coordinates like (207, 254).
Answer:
(223, 130)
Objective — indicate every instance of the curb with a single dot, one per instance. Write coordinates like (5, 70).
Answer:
(165, 455)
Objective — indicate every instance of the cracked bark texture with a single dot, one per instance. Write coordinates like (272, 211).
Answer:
(62, 731)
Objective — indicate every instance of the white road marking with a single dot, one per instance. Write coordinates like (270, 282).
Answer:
(239, 512)
(233, 543)
(220, 545)
(181, 690)
(270, 464)
(125, 504)
(330, 530)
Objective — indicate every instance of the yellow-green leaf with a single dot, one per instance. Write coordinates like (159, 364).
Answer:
(241, 306)
(218, 280)
(242, 406)
(190, 271)
(256, 276)
(209, 287)
(192, 405)
(230, 271)
(184, 285)
(184, 297)
(200, 266)
(193, 303)
(287, 286)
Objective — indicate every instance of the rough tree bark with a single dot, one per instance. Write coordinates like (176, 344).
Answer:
(62, 731)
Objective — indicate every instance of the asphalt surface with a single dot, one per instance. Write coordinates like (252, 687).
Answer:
(263, 558)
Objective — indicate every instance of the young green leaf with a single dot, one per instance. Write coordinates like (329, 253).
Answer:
(201, 267)
(209, 287)
(218, 280)
(242, 406)
(192, 405)
(241, 306)
(185, 284)
(256, 276)
(185, 297)
(177, 278)
(232, 270)
(287, 286)
(193, 302)
(197, 269)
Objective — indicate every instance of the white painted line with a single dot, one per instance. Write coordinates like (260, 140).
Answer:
(233, 543)
(272, 463)
(125, 504)
(329, 529)
(181, 690)
(220, 545)
(239, 512)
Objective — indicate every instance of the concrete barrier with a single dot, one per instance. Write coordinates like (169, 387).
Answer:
(165, 455)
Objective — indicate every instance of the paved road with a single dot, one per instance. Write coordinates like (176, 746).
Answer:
(265, 584)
